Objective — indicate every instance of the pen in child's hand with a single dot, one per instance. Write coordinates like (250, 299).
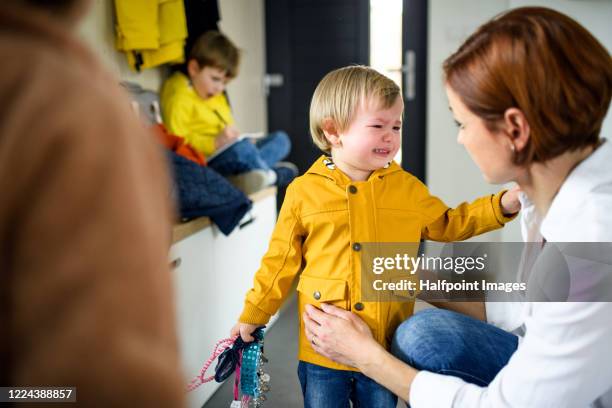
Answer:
(220, 117)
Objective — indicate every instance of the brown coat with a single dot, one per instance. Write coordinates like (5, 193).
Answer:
(86, 294)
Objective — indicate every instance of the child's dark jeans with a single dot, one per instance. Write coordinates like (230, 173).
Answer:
(326, 388)
(245, 156)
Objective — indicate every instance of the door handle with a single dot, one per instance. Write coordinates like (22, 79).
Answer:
(273, 80)
(409, 70)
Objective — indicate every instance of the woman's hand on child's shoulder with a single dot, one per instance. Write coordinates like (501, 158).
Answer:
(510, 203)
(244, 330)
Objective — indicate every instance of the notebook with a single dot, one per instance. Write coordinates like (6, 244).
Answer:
(253, 136)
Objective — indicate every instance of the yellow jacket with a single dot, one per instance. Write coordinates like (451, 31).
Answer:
(324, 214)
(186, 114)
(151, 32)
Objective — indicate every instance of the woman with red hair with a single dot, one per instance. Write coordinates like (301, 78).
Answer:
(529, 91)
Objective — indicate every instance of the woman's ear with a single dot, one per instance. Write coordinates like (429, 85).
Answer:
(330, 130)
(517, 128)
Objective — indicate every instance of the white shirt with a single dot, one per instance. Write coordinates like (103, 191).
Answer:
(565, 356)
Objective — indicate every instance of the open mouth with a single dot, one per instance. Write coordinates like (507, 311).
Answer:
(384, 152)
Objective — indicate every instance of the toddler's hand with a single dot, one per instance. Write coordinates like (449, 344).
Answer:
(244, 330)
(510, 203)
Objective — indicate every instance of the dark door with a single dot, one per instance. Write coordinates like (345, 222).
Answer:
(414, 86)
(305, 39)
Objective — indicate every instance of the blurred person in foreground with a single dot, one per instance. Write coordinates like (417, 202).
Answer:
(85, 218)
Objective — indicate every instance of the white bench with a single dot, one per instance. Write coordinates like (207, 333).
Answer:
(212, 274)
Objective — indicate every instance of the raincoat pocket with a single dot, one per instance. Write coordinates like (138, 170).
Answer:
(315, 291)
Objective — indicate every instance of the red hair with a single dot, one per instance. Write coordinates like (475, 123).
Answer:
(543, 63)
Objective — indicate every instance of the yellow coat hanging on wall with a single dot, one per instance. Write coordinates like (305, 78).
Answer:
(151, 32)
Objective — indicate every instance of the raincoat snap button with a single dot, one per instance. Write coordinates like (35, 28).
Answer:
(317, 295)
(359, 306)
(356, 246)
(352, 189)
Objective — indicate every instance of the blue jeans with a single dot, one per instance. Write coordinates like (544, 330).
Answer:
(446, 342)
(326, 388)
(245, 156)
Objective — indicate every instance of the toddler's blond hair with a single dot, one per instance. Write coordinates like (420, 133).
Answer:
(339, 94)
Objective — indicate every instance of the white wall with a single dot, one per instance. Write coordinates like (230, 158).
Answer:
(243, 21)
(450, 172)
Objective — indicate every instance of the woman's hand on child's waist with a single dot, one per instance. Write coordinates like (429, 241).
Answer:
(339, 335)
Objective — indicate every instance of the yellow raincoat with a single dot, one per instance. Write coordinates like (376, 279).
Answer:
(151, 32)
(322, 218)
(186, 114)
